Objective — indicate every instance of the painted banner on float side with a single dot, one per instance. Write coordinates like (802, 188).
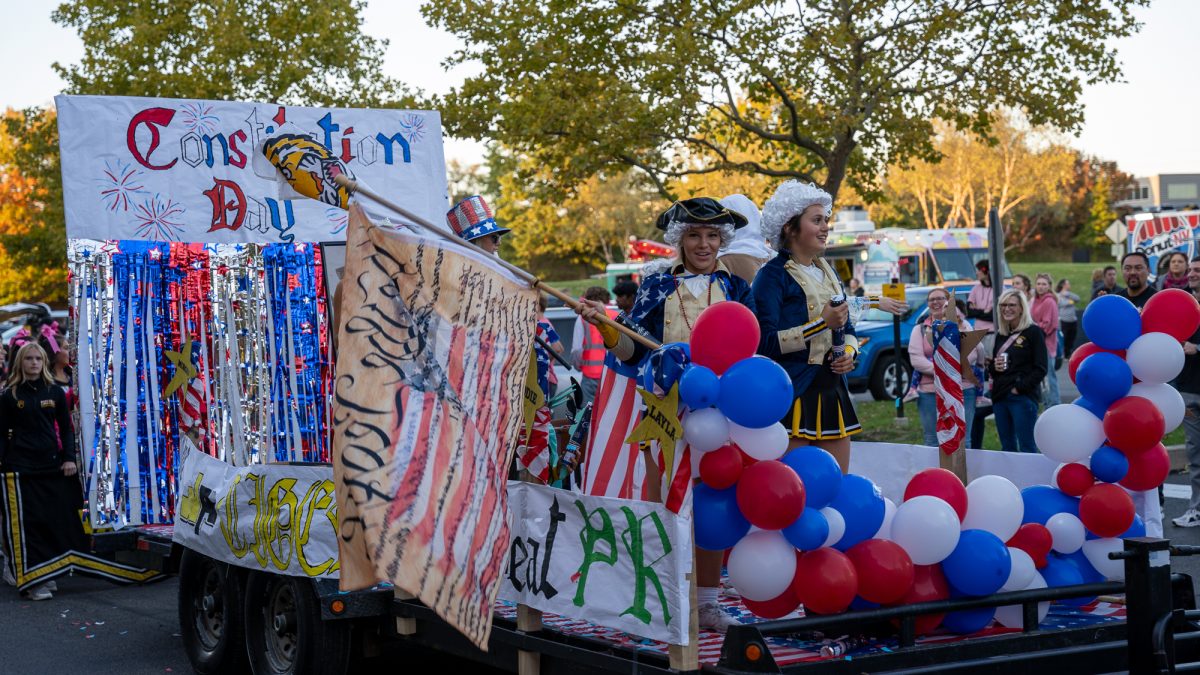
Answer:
(613, 562)
(165, 169)
(433, 350)
(274, 517)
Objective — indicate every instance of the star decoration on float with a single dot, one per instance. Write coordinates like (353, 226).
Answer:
(185, 370)
(660, 423)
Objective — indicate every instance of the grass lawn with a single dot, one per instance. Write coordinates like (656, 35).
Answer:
(1079, 274)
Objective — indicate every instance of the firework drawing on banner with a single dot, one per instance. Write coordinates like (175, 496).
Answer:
(120, 183)
(198, 117)
(157, 219)
(337, 219)
(413, 127)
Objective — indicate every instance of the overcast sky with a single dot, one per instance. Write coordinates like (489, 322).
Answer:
(1149, 124)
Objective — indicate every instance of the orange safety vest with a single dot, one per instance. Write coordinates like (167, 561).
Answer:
(592, 356)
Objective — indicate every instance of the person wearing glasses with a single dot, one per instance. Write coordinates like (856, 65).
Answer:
(1018, 366)
(920, 354)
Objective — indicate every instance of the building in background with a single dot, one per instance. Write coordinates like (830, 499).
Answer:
(1162, 191)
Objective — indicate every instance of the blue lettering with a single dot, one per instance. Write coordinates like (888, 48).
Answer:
(273, 207)
(326, 123)
(387, 147)
(208, 144)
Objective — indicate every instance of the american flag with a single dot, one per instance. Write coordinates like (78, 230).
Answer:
(612, 467)
(533, 452)
(947, 369)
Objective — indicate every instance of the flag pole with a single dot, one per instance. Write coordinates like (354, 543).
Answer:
(533, 281)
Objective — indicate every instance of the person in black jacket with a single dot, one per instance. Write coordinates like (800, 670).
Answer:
(1017, 368)
(37, 443)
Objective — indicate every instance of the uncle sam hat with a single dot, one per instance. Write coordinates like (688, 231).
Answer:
(472, 218)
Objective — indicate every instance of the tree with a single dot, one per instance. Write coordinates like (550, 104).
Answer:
(1100, 215)
(1094, 180)
(1022, 173)
(297, 53)
(836, 90)
(33, 240)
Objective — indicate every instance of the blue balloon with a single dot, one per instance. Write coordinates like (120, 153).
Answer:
(979, 565)
(1043, 501)
(967, 621)
(809, 531)
(1103, 378)
(1137, 529)
(820, 473)
(1089, 573)
(1109, 464)
(699, 387)
(1094, 408)
(859, 604)
(1062, 571)
(861, 504)
(1112, 322)
(755, 392)
(718, 521)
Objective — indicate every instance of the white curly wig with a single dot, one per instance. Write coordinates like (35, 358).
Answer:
(790, 200)
(676, 228)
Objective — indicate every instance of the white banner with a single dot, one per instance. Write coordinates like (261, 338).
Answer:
(613, 562)
(194, 171)
(280, 518)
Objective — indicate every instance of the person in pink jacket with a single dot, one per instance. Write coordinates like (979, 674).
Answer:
(1044, 310)
(920, 354)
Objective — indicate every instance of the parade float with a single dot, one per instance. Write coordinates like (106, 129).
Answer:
(213, 405)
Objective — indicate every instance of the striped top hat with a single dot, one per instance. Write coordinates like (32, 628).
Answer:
(472, 218)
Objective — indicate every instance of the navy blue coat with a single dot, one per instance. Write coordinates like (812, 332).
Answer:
(781, 304)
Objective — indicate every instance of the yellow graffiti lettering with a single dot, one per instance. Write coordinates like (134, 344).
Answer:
(318, 497)
(229, 524)
(280, 521)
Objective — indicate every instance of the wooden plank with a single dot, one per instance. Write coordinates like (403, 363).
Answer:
(687, 658)
(529, 619)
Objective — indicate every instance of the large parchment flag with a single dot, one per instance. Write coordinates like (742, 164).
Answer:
(433, 350)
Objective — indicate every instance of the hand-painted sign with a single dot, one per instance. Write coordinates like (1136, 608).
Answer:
(615, 562)
(194, 171)
(276, 517)
(1158, 235)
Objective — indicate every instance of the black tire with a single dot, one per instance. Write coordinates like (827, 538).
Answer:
(883, 377)
(210, 615)
(284, 631)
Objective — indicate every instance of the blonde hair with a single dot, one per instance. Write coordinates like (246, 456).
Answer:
(1049, 282)
(17, 376)
(1024, 321)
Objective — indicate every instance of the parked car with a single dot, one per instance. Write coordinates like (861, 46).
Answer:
(879, 365)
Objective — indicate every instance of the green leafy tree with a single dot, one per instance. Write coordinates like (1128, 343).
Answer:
(835, 91)
(299, 53)
(1100, 214)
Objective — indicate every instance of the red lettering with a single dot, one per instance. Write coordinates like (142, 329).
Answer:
(346, 154)
(152, 118)
(239, 157)
(223, 207)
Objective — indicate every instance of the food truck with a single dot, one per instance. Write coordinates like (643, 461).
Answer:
(1158, 235)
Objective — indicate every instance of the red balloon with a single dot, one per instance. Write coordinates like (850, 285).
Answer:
(721, 468)
(770, 495)
(825, 582)
(1035, 540)
(885, 572)
(928, 584)
(942, 484)
(1085, 350)
(1106, 509)
(1133, 425)
(724, 333)
(1147, 470)
(747, 460)
(1172, 311)
(782, 605)
(1074, 479)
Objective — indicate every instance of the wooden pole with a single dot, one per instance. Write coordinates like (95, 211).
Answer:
(686, 658)
(534, 281)
(529, 620)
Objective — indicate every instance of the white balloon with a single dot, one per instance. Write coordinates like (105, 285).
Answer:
(1068, 433)
(1164, 397)
(1067, 532)
(1022, 572)
(1096, 551)
(837, 526)
(885, 530)
(994, 504)
(1155, 358)
(927, 528)
(1010, 615)
(761, 565)
(762, 444)
(705, 429)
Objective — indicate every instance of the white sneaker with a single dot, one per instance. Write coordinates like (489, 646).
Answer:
(714, 618)
(39, 593)
(1190, 518)
(51, 586)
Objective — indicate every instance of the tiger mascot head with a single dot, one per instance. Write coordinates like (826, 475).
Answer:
(309, 168)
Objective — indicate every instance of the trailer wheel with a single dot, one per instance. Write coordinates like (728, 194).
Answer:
(210, 617)
(887, 369)
(284, 631)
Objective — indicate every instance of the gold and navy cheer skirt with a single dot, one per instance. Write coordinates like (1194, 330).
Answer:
(824, 412)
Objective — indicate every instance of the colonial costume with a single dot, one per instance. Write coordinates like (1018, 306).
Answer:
(749, 251)
(789, 298)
